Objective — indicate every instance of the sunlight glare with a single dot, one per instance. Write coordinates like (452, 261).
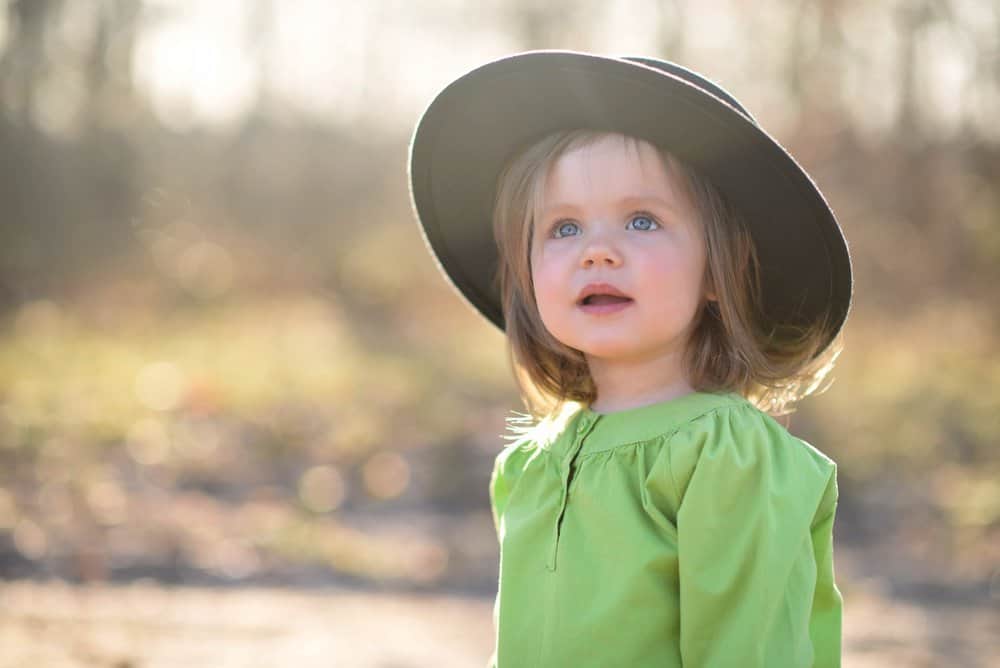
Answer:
(196, 66)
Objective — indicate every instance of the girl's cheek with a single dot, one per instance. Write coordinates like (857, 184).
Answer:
(554, 249)
(548, 283)
(541, 257)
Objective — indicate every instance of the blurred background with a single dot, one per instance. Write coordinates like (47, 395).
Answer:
(243, 419)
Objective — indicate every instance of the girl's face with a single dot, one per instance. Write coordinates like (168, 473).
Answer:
(614, 221)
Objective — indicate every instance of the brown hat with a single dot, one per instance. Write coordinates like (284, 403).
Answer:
(480, 120)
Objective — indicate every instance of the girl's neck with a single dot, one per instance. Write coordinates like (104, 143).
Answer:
(622, 385)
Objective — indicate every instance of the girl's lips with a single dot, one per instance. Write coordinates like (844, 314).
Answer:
(605, 307)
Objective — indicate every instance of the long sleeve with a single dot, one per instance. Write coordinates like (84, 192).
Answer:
(498, 495)
(498, 500)
(827, 611)
(754, 535)
(508, 467)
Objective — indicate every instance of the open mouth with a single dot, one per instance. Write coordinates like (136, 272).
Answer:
(604, 299)
(604, 305)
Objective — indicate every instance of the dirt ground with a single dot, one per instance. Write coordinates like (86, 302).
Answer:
(151, 626)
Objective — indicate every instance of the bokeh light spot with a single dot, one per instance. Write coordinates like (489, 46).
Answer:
(30, 539)
(322, 489)
(427, 561)
(107, 501)
(148, 441)
(386, 475)
(206, 269)
(160, 386)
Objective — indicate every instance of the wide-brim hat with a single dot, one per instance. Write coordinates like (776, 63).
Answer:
(479, 121)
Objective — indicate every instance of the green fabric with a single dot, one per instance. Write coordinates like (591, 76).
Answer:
(693, 532)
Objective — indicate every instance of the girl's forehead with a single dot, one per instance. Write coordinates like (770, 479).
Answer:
(609, 166)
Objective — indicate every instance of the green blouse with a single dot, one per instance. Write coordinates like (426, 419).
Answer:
(693, 532)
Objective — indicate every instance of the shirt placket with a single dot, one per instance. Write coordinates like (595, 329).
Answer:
(583, 427)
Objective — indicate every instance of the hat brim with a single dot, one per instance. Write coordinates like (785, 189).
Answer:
(479, 121)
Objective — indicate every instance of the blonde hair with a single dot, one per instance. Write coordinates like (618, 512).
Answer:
(729, 348)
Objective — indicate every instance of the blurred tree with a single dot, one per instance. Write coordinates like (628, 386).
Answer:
(537, 24)
(69, 177)
(23, 61)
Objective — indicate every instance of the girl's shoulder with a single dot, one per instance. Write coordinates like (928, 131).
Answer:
(738, 443)
(741, 423)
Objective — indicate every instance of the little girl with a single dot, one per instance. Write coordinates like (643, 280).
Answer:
(667, 277)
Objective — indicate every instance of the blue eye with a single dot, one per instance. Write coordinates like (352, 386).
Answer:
(642, 222)
(565, 229)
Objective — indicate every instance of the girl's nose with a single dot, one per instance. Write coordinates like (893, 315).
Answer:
(599, 251)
